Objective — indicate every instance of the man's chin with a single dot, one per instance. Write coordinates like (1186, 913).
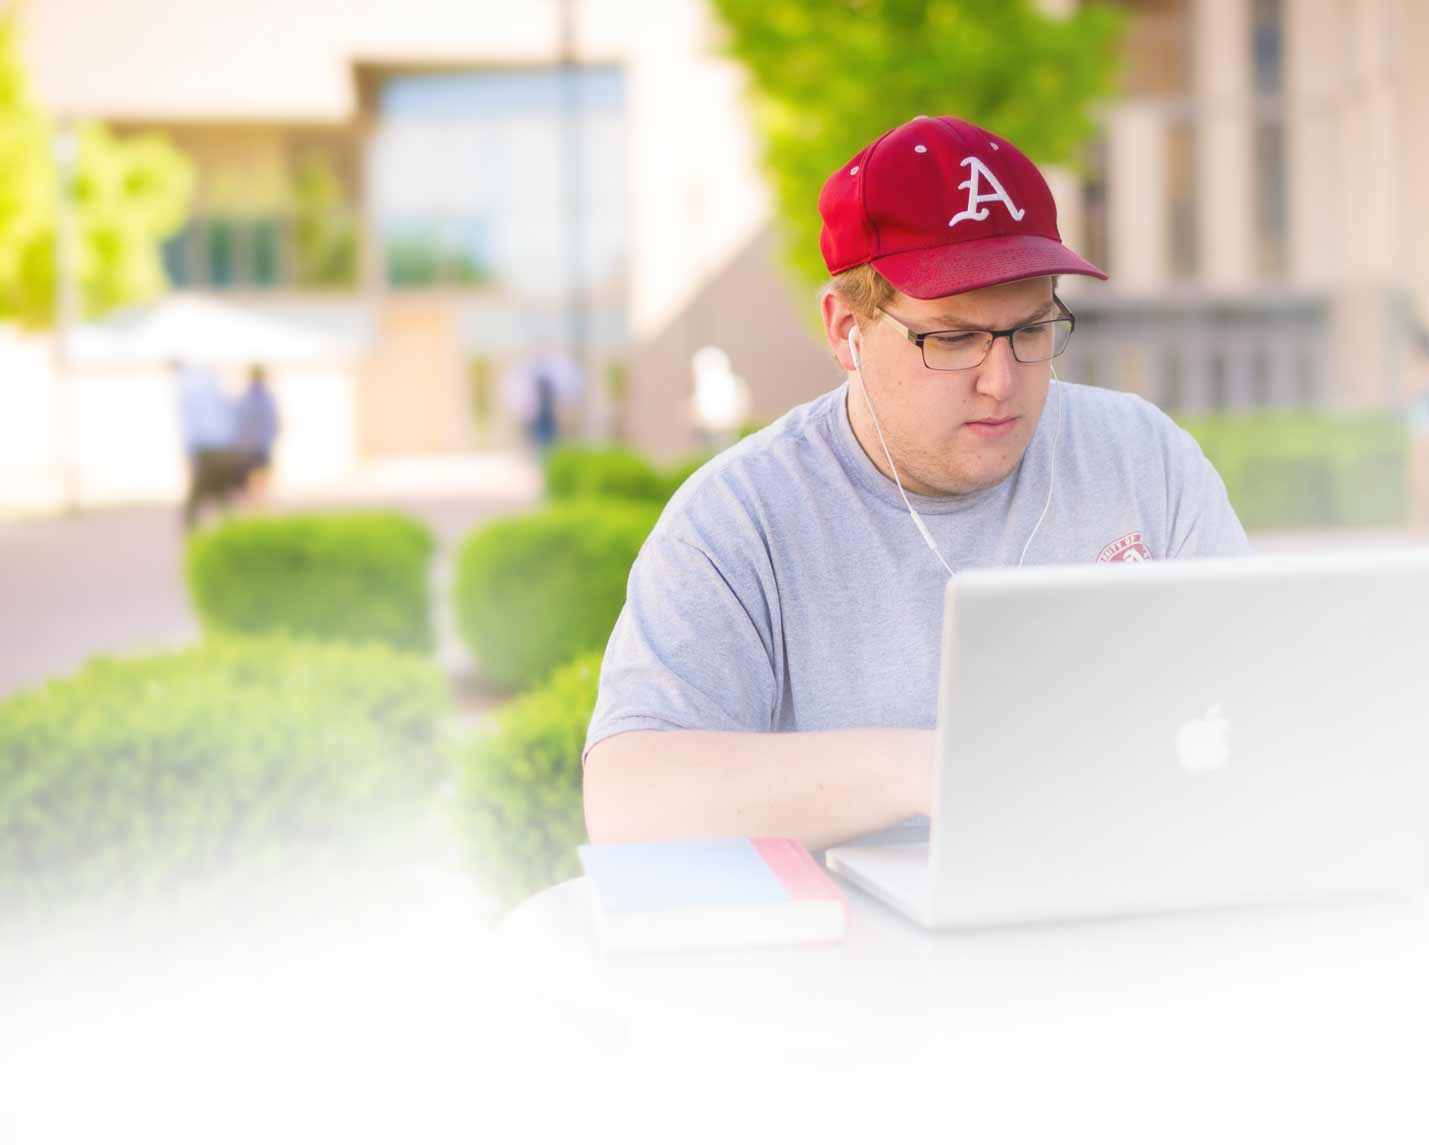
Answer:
(975, 480)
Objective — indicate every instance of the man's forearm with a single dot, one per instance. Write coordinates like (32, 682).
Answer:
(818, 787)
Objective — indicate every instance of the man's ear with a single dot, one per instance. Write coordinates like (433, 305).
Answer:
(838, 321)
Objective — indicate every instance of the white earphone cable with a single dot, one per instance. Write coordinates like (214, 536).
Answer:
(1052, 478)
(917, 520)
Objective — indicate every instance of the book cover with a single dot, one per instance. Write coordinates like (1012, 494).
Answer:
(706, 893)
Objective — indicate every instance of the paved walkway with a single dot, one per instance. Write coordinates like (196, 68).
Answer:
(111, 580)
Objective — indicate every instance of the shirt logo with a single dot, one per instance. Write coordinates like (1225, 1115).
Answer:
(1127, 548)
(973, 185)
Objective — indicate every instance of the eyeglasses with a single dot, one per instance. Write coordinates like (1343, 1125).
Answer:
(964, 349)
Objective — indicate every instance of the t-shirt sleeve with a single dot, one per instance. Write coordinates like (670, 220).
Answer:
(1203, 522)
(693, 647)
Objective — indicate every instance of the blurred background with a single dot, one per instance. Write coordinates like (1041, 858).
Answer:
(393, 206)
(394, 325)
(349, 351)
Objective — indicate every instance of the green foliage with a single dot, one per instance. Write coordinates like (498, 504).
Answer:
(421, 259)
(348, 576)
(617, 381)
(1287, 469)
(129, 195)
(830, 76)
(574, 470)
(519, 786)
(589, 471)
(136, 775)
(536, 591)
(324, 226)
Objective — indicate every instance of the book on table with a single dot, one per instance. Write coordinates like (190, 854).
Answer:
(710, 893)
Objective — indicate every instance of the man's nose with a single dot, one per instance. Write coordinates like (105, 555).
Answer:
(998, 373)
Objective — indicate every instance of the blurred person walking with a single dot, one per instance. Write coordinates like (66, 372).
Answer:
(256, 428)
(536, 392)
(721, 399)
(207, 421)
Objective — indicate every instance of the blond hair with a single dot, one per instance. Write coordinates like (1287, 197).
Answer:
(864, 289)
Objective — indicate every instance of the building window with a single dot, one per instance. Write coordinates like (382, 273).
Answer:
(218, 247)
(305, 238)
(1267, 47)
(265, 237)
(1271, 194)
(1095, 223)
(513, 177)
(1157, 52)
(1181, 198)
(1271, 228)
(436, 252)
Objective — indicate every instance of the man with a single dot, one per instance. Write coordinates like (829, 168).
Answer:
(538, 389)
(206, 419)
(256, 433)
(774, 670)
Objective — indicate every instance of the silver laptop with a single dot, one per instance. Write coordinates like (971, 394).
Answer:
(1129, 738)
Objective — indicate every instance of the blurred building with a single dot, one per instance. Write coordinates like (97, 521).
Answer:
(1257, 193)
(445, 183)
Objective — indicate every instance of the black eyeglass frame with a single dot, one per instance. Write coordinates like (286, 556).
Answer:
(918, 339)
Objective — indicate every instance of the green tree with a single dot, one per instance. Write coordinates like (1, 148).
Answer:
(325, 231)
(129, 195)
(828, 76)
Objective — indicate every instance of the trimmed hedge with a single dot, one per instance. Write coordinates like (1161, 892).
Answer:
(1288, 469)
(519, 786)
(587, 471)
(534, 592)
(342, 576)
(241, 753)
(581, 471)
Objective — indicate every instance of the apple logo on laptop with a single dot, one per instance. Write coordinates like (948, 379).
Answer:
(1201, 743)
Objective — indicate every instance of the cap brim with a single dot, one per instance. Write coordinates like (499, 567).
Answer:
(955, 268)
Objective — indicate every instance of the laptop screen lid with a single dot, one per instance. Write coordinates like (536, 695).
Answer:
(1125, 738)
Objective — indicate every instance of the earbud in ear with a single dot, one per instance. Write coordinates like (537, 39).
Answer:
(853, 349)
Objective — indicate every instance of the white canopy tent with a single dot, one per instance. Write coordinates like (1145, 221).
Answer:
(105, 428)
(211, 332)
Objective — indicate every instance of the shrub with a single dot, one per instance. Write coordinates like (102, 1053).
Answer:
(1285, 469)
(536, 591)
(348, 576)
(575, 471)
(133, 774)
(519, 786)
(581, 471)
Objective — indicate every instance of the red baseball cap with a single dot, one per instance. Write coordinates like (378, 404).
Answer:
(939, 206)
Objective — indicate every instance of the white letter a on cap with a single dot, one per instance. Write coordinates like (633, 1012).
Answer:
(976, 198)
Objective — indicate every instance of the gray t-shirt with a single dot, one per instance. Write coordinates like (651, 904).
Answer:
(786, 588)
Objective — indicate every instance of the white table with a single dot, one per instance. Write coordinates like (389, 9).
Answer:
(1301, 1023)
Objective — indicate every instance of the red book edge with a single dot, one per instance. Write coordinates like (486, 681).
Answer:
(795, 868)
